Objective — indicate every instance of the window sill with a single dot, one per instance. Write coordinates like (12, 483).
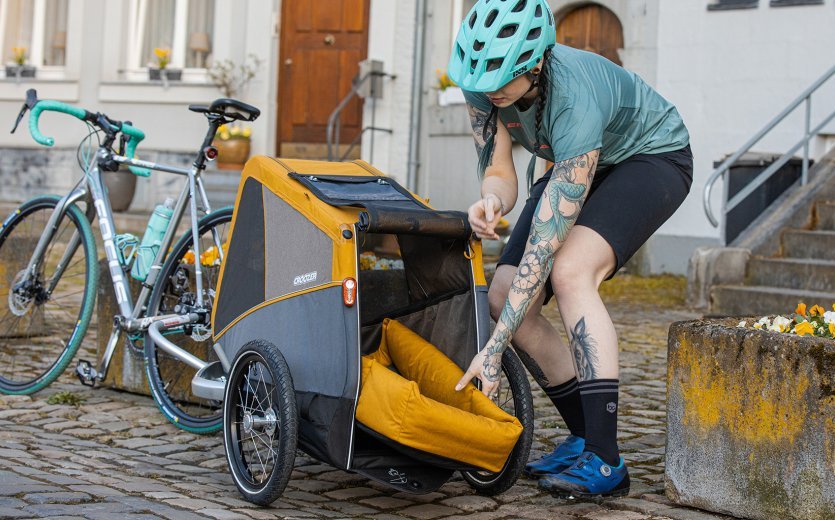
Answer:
(57, 89)
(177, 92)
(733, 6)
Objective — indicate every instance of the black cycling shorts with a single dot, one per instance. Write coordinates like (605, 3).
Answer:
(626, 204)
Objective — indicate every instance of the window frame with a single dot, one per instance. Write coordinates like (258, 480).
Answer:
(725, 5)
(36, 46)
(135, 71)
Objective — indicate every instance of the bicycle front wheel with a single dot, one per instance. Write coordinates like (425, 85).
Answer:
(168, 377)
(43, 316)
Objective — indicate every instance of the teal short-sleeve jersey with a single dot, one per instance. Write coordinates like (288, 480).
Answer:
(593, 104)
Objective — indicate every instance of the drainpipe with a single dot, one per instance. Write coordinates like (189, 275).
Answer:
(417, 95)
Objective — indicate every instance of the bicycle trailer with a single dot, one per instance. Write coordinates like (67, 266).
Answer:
(349, 309)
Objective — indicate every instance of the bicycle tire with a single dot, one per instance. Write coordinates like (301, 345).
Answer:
(88, 299)
(175, 409)
(487, 483)
(240, 420)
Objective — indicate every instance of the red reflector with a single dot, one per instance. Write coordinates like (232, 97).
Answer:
(210, 152)
(349, 291)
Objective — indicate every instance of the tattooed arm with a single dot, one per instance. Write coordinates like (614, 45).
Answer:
(554, 217)
(499, 187)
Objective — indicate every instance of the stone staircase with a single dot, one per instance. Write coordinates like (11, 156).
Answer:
(790, 253)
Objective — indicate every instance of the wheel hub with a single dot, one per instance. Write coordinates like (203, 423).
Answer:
(263, 423)
(22, 296)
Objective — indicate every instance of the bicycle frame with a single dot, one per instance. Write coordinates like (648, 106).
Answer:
(129, 318)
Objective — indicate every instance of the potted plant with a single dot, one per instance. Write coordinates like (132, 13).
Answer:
(18, 68)
(230, 78)
(232, 143)
(448, 92)
(162, 71)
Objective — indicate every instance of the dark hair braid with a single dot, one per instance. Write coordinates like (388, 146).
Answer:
(541, 96)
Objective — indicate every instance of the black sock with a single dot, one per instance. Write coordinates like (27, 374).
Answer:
(600, 409)
(566, 397)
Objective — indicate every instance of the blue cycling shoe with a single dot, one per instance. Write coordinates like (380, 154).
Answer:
(588, 477)
(559, 460)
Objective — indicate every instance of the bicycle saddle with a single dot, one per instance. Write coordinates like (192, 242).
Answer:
(231, 108)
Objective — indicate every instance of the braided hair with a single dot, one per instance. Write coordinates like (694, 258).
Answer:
(541, 97)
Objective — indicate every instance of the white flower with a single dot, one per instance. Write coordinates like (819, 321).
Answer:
(829, 317)
(741, 324)
(764, 322)
(780, 324)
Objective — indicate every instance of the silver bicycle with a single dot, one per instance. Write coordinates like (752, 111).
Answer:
(49, 271)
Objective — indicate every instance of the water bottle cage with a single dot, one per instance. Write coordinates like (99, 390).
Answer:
(126, 245)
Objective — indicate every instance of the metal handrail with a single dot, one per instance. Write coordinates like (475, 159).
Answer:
(335, 121)
(762, 177)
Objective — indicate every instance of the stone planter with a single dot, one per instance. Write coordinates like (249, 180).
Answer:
(750, 421)
(170, 74)
(20, 71)
(232, 153)
(121, 186)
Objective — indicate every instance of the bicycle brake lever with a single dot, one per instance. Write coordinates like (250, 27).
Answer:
(31, 101)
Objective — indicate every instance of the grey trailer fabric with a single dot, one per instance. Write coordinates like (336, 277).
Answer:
(482, 314)
(317, 335)
(243, 270)
(299, 255)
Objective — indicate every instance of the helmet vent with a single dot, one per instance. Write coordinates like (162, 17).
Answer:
(508, 30)
(519, 6)
(473, 63)
(473, 18)
(533, 34)
(460, 52)
(538, 11)
(524, 57)
(491, 17)
(494, 64)
(477, 45)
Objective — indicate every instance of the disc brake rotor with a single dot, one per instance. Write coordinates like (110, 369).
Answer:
(20, 301)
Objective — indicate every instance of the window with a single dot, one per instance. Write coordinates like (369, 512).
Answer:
(186, 27)
(39, 27)
(719, 5)
(786, 3)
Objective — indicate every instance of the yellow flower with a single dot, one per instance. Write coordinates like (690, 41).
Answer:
(816, 310)
(235, 131)
(803, 328)
(210, 257)
(19, 54)
(801, 309)
(832, 329)
(188, 258)
(163, 56)
(246, 132)
(225, 136)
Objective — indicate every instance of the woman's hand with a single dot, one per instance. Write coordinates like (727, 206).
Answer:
(487, 368)
(484, 215)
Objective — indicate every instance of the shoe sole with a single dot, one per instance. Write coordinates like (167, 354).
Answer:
(577, 495)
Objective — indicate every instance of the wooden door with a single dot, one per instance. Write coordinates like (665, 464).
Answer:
(592, 28)
(322, 42)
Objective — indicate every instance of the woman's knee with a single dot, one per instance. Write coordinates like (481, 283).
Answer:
(571, 275)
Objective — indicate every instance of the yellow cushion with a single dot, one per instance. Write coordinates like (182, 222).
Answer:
(420, 408)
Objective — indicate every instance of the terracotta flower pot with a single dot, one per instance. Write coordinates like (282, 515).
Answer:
(232, 153)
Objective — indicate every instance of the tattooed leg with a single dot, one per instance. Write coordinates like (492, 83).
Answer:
(584, 349)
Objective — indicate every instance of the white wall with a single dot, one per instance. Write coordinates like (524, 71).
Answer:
(97, 32)
(729, 72)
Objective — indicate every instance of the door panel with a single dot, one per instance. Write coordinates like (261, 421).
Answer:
(592, 28)
(322, 42)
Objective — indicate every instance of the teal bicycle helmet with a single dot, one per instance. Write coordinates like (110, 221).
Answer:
(500, 40)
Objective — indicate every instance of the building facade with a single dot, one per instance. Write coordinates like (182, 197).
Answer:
(728, 65)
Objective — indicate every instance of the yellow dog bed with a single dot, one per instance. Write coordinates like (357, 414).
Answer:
(420, 408)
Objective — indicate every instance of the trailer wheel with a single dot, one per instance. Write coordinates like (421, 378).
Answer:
(260, 422)
(515, 398)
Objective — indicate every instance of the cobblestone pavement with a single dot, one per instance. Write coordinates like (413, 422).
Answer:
(116, 456)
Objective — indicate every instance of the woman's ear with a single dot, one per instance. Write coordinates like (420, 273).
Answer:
(537, 68)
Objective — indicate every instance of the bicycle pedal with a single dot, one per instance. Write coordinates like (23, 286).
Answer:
(86, 373)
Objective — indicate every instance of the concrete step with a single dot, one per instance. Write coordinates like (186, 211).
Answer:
(740, 300)
(825, 213)
(800, 243)
(316, 151)
(221, 186)
(792, 273)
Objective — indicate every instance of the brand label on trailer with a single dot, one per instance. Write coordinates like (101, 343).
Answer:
(305, 278)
